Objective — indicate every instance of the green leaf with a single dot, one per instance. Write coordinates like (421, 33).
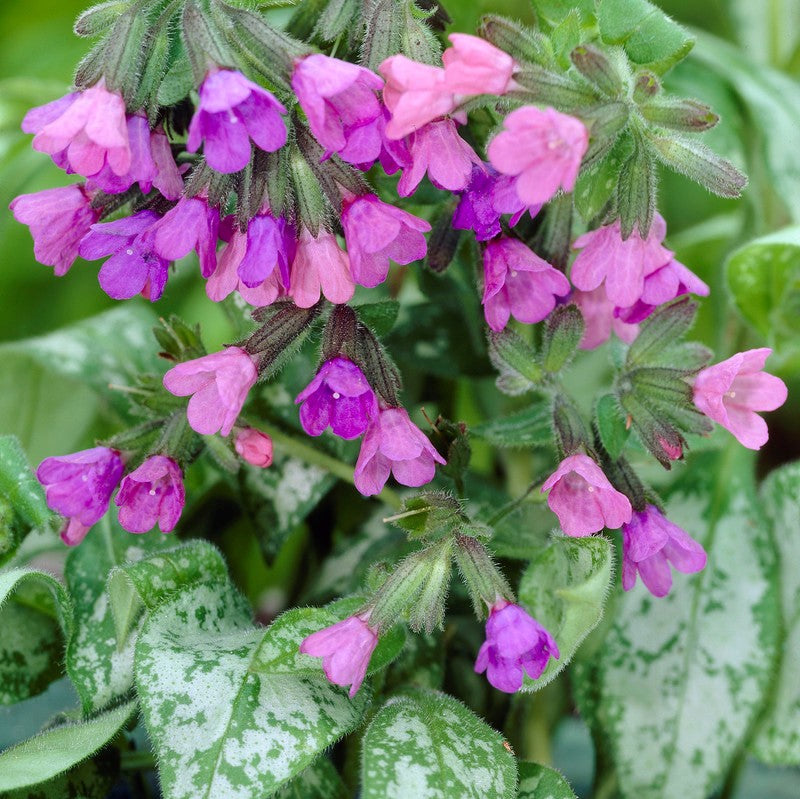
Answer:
(777, 740)
(565, 590)
(597, 184)
(530, 427)
(380, 316)
(611, 425)
(678, 681)
(541, 782)
(555, 10)
(59, 748)
(516, 361)
(319, 781)
(428, 745)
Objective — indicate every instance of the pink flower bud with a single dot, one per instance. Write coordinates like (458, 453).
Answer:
(474, 66)
(254, 447)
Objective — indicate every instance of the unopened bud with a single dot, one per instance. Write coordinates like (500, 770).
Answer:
(646, 86)
(595, 66)
(520, 42)
(684, 115)
(539, 85)
(483, 579)
(254, 447)
(570, 429)
(562, 334)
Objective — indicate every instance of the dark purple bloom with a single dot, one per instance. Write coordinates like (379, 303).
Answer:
(152, 493)
(269, 244)
(515, 642)
(476, 210)
(232, 111)
(338, 397)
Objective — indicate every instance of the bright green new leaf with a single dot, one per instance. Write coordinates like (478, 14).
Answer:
(541, 782)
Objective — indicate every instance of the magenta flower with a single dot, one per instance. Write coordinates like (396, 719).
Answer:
(600, 319)
(473, 66)
(542, 149)
(476, 209)
(232, 111)
(345, 649)
(583, 499)
(266, 246)
(650, 543)
(338, 397)
(438, 150)
(135, 266)
(733, 391)
(83, 131)
(375, 232)
(393, 444)
(515, 643)
(320, 266)
(219, 383)
(341, 105)
(506, 200)
(518, 282)
(152, 493)
(58, 219)
(79, 486)
(254, 447)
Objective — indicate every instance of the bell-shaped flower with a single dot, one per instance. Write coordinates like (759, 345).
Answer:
(476, 209)
(320, 266)
(151, 494)
(254, 447)
(474, 66)
(599, 317)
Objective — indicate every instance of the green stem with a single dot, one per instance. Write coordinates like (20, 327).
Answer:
(137, 760)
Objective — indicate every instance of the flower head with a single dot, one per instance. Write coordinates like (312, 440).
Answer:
(345, 649)
(219, 384)
(650, 543)
(393, 444)
(583, 499)
(338, 397)
(731, 393)
(152, 493)
(254, 447)
(320, 266)
(600, 319)
(232, 111)
(515, 642)
(476, 210)
(474, 66)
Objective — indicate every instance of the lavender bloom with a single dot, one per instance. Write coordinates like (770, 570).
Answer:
(232, 111)
(152, 493)
(515, 642)
(338, 397)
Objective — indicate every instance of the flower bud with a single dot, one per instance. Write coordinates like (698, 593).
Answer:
(254, 447)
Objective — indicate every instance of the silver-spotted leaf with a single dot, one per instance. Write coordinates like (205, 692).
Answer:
(541, 782)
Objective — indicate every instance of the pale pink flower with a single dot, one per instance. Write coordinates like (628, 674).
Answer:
(320, 266)
(600, 319)
(254, 447)
(474, 66)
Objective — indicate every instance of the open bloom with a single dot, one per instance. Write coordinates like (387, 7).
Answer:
(599, 317)
(474, 66)
(376, 232)
(345, 649)
(542, 149)
(518, 283)
(650, 543)
(393, 444)
(151, 494)
(320, 266)
(338, 397)
(232, 111)
(583, 499)
(342, 107)
(515, 642)
(254, 447)
(476, 210)
(266, 247)
(731, 393)
(58, 220)
(79, 486)
(219, 383)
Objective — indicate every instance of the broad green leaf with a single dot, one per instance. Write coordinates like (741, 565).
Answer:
(555, 10)
(59, 748)
(565, 589)
(428, 745)
(319, 781)
(777, 740)
(678, 681)
(541, 782)
(530, 427)
(611, 425)
(379, 316)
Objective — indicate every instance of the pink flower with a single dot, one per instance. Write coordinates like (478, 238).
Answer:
(518, 282)
(58, 219)
(415, 94)
(731, 392)
(393, 444)
(320, 266)
(152, 493)
(515, 642)
(542, 149)
(73, 532)
(650, 543)
(583, 499)
(599, 317)
(219, 383)
(473, 66)
(254, 447)
(345, 649)
(375, 232)
(341, 105)
(83, 131)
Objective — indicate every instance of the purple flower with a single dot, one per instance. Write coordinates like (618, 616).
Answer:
(515, 642)
(267, 246)
(393, 444)
(320, 266)
(152, 493)
(219, 384)
(476, 208)
(58, 219)
(507, 201)
(650, 543)
(600, 318)
(338, 397)
(342, 107)
(345, 649)
(79, 486)
(375, 232)
(518, 283)
(232, 111)
(135, 266)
